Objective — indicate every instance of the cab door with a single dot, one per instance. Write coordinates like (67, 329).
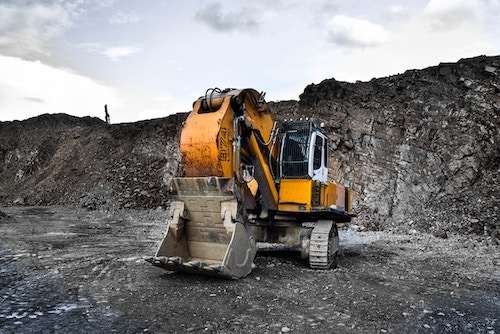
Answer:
(318, 163)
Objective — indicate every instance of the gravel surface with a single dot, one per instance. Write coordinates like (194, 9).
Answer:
(69, 270)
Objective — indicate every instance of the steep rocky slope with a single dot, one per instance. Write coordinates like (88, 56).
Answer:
(420, 150)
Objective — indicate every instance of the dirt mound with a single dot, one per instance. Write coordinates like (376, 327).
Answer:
(61, 159)
(419, 149)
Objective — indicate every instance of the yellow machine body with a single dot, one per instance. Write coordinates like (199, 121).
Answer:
(208, 134)
(239, 187)
(304, 195)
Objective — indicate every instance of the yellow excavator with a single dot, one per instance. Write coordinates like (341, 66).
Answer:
(246, 181)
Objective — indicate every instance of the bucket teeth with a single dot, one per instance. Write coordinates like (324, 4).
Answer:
(217, 267)
(175, 260)
(195, 264)
(165, 261)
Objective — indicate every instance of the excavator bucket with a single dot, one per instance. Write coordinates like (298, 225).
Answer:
(204, 235)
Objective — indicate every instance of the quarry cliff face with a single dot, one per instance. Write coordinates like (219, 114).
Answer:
(419, 149)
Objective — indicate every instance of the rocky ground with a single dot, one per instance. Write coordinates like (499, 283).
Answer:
(72, 270)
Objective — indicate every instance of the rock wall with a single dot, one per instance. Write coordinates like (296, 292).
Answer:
(416, 146)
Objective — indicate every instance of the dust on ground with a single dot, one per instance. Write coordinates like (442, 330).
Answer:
(70, 270)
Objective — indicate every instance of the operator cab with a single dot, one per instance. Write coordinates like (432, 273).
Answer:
(303, 152)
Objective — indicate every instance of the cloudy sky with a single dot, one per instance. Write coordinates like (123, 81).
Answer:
(150, 58)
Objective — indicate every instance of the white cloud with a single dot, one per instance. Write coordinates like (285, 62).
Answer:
(27, 28)
(447, 14)
(218, 19)
(353, 32)
(425, 37)
(396, 13)
(396, 10)
(123, 17)
(113, 52)
(31, 88)
(117, 52)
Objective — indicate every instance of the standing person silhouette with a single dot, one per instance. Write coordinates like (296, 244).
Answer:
(106, 113)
